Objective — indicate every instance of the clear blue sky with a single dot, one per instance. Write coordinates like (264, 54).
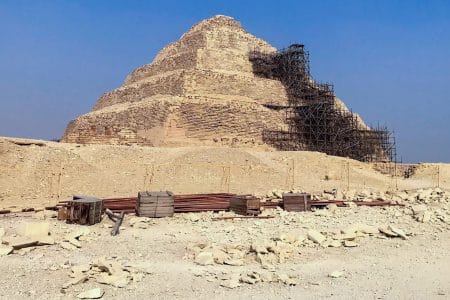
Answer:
(388, 60)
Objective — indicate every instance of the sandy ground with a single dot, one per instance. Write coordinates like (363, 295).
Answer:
(379, 268)
(37, 173)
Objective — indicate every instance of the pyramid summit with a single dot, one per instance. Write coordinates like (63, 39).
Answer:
(220, 85)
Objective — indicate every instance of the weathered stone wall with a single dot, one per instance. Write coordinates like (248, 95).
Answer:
(176, 123)
(168, 84)
(208, 82)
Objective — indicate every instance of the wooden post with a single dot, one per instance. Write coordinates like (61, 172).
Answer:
(438, 175)
(229, 178)
(59, 179)
(293, 174)
(348, 176)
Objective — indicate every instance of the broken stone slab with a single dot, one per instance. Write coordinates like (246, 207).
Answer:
(79, 278)
(34, 229)
(96, 293)
(288, 279)
(232, 282)
(219, 256)
(204, 258)
(250, 278)
(289, 238)
(234, 262)
(266, 276)
(111, 267)
(333, 243)
(363, 228)
(316, 236)
(20, 242)
(345, 236)
(336, 274)
(350, 244)
(116, 280)
(399, 232)
(266, 260)
(387, 232)
(4, 250)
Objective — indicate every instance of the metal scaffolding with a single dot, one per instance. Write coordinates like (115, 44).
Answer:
(315, 121)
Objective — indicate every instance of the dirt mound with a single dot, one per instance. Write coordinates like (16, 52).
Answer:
(36, 173)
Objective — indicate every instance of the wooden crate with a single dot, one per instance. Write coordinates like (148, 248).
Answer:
(245, 205)
(84, 211)
(155, 204)
(297, 201)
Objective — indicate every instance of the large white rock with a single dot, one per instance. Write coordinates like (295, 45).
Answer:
(35, 229)
(316, 236)
(96, 293)
(204, 258)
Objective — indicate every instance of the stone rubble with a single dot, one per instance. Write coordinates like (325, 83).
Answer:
(106, 271)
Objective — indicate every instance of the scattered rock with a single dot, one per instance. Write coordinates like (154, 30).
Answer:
(334, 243)
(336, 274)
(204, 258)
(234, 262)
(387, 232)
(78, 278)
(287, 279)
(266, 276)
(316, 236)
(20, 242)
(250, 278)
(260, 247)
(96, 293)
(232, 282)
(399, 232)
(350, 244)
(5, 250)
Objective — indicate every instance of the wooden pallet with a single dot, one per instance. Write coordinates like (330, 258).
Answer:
(84, 210)
(245, 205)
(297, 201)
(155, 204)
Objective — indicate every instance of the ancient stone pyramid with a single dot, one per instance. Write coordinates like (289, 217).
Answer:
(199, 90)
